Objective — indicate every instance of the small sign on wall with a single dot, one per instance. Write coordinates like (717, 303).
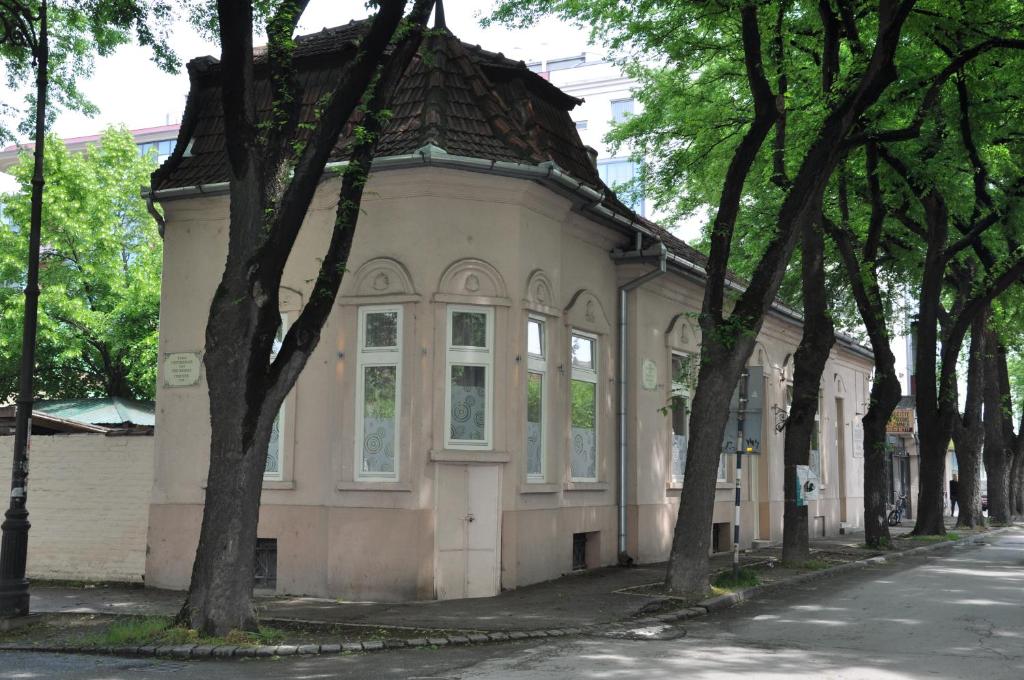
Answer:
(182, 369)
(807, 484)
(649, 374)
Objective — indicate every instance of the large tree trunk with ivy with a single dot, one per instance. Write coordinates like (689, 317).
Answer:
(968, 434)
(808, 366)
(272, 182)
(728, 341)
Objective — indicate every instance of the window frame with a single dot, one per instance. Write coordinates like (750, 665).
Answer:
(377, 356)
(538, 364)
(629, 112)
(678, 389)
(469, 356)
(589, 375)
(282, 415)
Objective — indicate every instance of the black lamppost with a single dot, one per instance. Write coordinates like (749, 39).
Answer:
(14, 595)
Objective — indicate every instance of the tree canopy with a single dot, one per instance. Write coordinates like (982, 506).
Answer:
(79, 31)
(99, 273)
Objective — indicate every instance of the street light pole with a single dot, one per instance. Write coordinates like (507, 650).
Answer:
(741, 412)
(14, 596)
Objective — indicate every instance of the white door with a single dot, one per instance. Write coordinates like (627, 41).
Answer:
(468, 531)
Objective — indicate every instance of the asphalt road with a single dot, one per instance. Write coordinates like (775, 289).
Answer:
(957, 614)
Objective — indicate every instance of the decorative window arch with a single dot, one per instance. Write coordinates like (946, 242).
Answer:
(540, 294)
(381, 279)
(682, 334)
(473, 282)
(586, 312)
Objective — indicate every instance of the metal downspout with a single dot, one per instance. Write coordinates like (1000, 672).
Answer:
(640, 255)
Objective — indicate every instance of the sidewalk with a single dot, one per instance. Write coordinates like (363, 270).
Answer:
(579, 600)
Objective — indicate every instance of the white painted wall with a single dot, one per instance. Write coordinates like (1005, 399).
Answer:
(88, 502)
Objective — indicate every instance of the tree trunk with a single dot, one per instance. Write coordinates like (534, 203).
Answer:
(219, 598)
(934, 438)
(885, 395)
(246, 383)
(1017, 483)
(885, 390)
(995, 453)
(808, 365)
(968, 456)
(727, 342)
(719, 372)
(968, 434)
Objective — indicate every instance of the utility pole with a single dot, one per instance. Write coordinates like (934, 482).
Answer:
(14, 595)
(740, 415)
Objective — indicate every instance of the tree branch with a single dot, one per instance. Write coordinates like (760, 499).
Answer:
(302, 337)
(931, 96)
(765, 113)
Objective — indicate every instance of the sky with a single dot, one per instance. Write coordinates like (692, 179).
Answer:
(129, 89)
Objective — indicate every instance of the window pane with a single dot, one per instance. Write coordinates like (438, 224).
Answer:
(581, 125)
(534, 433)
(582, 352)
(469, 407)
(622, 109)
(620, 175)
(379, 393)
(381, 329)
(683, 371)
(278, 340)
(469, 329)
(679, 415)
(274, 448)
(721, 468)
(584, 441)
(535, 337)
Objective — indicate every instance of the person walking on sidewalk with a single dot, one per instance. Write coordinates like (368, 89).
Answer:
(954, 494)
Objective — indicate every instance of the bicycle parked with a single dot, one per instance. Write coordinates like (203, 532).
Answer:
(896, 514)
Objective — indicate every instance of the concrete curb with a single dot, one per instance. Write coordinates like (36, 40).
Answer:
(727, 600)
(702, 608)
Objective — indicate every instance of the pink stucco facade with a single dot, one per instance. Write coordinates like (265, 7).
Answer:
(460, 521)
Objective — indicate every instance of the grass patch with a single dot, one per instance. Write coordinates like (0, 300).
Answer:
(725, 583)
(936, 538)
(160, 630)
(815, 565)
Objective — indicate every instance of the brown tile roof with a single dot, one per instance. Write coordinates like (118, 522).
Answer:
(458, 97)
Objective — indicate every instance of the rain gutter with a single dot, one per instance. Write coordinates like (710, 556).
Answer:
(659, 253)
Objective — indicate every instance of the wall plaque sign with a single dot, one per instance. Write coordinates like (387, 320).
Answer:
(649, 372)
(181, 369)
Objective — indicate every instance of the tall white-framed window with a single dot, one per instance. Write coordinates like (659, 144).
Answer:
(378, 393)
(814, 458)
(536, 399)
(583, 394)
(682, 372)
(469, 380)
(275, 448)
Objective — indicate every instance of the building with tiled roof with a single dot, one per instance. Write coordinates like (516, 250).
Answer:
(486, 407)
